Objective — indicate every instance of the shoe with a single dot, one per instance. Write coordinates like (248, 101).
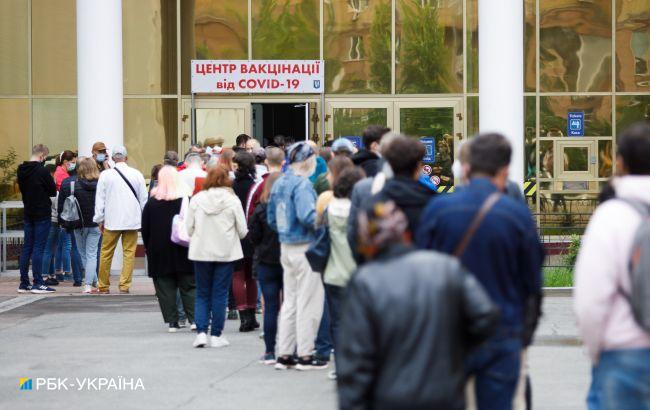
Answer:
(77, 284)
(268, 359)
(246, 323)
(59, 277)
(253, 318)
(174, 327)
(201, 340)
(219, 341)
(181, 323)
(103, 292)
(51, 282)
(42, 289)
(24, 288)
(193, 327)
(67, 277)
(232, 315)
(284, 363)
(332, 375)
(124, 291)
(87, 289)
(261, 335)
(311, 363)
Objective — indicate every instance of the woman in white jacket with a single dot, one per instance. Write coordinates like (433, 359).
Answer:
(215, 223)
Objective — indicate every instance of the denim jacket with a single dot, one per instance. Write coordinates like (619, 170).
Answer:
(292, 209)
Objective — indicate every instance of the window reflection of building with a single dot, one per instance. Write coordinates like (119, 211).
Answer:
(633, 46)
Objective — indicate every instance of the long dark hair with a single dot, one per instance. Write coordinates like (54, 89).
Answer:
(245, 165)
(66, 155)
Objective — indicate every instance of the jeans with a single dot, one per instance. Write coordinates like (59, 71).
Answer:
(50, 249)
(77, 263)
(64, 247)
(495, 366)
(87, 240)
(212, 283)
(620, 380)
(323, 342)
(270, 277)
(334, 295)
(36, 233)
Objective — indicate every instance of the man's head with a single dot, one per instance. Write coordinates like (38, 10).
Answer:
(343, 146)
(251, 145)
(489, 156)
(100, 152)
(274, 159)
(40, 152)
(302, 159)
(213, 142)
(405, 157)
(171, 158)
(120, 154)
(197, 148)
(633, 154)
(241, 139)
(372, 137)
(193, 160)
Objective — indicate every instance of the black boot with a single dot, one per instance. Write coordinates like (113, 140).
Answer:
(253, 318)
(246, 325)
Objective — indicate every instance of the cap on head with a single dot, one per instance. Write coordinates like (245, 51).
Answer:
(299, 152)
(342, 145)
(99, 147)
(120, 152)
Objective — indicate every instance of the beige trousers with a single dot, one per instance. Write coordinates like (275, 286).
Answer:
(302, 307)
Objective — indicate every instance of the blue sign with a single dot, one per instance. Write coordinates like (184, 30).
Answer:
(430, 146)
(576, 124)
(356, 140)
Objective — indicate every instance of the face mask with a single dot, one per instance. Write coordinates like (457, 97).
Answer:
(71, 166)
(101, 157)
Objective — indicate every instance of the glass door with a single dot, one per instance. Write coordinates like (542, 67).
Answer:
(348, 119)
(438, 124)
(216, 119)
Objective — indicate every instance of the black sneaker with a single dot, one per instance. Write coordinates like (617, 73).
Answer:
(311, 363)
(42, 289)
(24, 288)
(77, 284)
(174, 327)
(232, 315)
(51, 282)
(284, 363)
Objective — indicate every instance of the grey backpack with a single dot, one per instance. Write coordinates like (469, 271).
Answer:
(639, 266)
(71, 217)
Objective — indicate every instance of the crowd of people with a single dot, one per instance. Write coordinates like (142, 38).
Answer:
(425, 300)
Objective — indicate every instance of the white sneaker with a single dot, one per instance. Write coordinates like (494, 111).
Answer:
(201, 340)
(193, 327)
(87, 289)
(219, 341)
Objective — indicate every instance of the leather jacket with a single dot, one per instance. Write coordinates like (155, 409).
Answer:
(408, 324)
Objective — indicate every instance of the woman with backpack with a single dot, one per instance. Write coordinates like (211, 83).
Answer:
(167, 262)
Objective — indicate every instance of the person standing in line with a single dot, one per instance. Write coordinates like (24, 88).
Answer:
(495, 237)
(36, 187)
(342, 147)
(244, 286)
(368, 157)
(215, 212)
(121, 196)
(100, 154)
(340, 264)
(168, 263)
(619, 346)
(193, 170)
(410, 320)
(274, 162)
(269, 268)
(66, 164)
(321, 164)
(87, 237)
(292, 213)
(336, 166)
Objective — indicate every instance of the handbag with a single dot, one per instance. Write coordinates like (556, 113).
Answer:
(179, 234)
(318, 252)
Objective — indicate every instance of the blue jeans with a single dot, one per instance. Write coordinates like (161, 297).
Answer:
(77, 263)
(63, 250)
(212, 283)
(323, 343)
(36, 233)
(50, 249)
(270, 278)
(87, 240)
(335, 295)
(620, 381)
(495, 366)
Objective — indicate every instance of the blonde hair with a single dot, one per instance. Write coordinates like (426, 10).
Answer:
(87, 169)
(170, 186)
(304, 168)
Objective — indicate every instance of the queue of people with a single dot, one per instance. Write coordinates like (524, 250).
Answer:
(426, 300)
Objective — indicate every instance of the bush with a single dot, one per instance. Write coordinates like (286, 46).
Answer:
(7, 174)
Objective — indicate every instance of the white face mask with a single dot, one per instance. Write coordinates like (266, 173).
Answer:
(457, 170)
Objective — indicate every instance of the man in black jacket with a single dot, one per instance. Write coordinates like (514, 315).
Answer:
(36, 186)
(368, 157)
(410, 319)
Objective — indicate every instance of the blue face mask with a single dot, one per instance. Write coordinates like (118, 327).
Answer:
(71, 166)
(101, 157)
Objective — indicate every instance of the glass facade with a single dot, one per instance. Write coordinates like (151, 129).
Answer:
(393, 60)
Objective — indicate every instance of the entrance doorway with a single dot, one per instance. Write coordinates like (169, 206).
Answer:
(288, 119)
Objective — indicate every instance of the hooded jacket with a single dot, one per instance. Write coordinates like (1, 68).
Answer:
(85, 192)
(37, 187)
(215, 223)
(340, 264)
(604, 315)
(368, 161)
(409, 195)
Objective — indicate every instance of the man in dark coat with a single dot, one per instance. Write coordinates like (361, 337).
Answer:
(368, 157)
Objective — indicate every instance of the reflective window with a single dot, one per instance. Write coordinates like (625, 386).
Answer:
(14, 133)
(54, 47)
(149, 46)
(529, 138)
(472, 46)
(55, 123)
(605, 158)
(212, 29)
(357, 46)
(631, 109)
(546, 159)
(472, 116)
(575, 45)
(13, 47)
(350, 122)
(150, 129)
(286, 29)
(576, 159)
(429, 54)
(530, 44)
(554, 110)
(632, 46)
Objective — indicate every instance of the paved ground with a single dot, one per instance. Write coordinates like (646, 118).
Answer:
(122, 336)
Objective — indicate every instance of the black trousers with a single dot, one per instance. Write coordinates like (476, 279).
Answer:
(166, 288)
